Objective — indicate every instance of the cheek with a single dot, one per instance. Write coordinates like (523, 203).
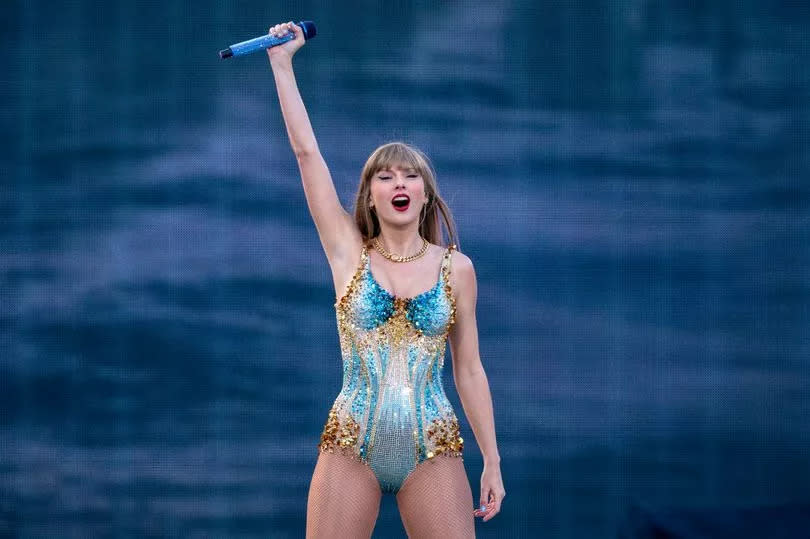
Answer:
(373, 191)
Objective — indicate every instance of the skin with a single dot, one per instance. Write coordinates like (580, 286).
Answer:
(342, 243)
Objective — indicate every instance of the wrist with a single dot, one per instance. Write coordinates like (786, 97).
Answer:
(280, 61)
(494, 460)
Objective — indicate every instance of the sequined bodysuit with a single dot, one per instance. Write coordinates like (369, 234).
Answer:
(392, 412)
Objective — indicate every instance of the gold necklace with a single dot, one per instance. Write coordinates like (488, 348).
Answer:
(397, 258)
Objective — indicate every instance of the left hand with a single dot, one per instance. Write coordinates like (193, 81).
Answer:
(492, 492)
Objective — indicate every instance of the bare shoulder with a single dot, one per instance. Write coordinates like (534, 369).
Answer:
(462, 274)
(460, 261)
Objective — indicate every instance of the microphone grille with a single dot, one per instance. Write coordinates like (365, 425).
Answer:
(309, 29)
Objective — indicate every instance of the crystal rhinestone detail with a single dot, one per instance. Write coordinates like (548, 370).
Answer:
(392, 412)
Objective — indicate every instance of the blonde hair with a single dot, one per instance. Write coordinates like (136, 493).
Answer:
(434, 212)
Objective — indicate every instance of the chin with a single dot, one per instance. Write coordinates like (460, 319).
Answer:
(400, 220)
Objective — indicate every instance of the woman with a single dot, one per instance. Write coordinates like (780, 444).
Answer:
(391, 428)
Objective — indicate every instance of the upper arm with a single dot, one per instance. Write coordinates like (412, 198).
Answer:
(337, 231)
(464, 332)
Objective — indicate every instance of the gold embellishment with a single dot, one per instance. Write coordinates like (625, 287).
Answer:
(342, 307)
(399, 258)
(341, 303)
(445, 437)
(398, 325)
(347, 451)
(447, 288)
(336, 435)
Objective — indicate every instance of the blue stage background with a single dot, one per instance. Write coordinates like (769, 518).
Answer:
(628, 177)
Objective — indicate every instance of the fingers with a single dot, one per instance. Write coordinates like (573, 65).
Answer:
(484, 506)
(284, 28)
(294, 28)
(495, 506)
(278, 30)
(490, 505)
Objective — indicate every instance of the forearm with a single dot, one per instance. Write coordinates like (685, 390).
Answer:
(299, 129)
(473, 390)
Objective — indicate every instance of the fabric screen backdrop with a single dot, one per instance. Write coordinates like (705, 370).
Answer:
(628, 177)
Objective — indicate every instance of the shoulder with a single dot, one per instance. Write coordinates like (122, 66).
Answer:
(460, 262)
(462, 273)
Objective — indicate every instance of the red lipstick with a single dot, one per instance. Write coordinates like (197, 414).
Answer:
(401, 202)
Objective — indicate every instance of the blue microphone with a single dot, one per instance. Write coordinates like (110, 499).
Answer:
(263, 42)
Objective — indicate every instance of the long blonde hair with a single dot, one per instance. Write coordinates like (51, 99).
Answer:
(433, 214)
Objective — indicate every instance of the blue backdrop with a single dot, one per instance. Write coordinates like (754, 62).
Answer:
(628, 177)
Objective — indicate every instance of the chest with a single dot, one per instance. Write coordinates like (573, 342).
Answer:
(371, 306)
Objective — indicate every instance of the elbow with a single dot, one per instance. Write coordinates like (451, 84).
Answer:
(466, 375)
(302, 154)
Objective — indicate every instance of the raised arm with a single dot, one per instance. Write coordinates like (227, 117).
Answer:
(336, 229)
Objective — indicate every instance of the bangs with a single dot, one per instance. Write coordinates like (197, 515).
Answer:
(395, 154)
(437, 214)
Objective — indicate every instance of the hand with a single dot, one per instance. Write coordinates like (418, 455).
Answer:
(492, 492)
(286, 50)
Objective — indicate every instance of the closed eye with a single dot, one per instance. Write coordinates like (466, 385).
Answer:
(389, 177)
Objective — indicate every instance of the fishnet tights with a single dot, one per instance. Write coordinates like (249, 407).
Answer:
(434, 502)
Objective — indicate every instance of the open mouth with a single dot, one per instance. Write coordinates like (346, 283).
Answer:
(401, 202)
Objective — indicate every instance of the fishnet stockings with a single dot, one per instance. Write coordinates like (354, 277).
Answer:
(434, 502)
(344, 498)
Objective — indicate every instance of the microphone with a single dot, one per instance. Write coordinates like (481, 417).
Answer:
(263, 42)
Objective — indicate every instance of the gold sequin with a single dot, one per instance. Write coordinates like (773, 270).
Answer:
(398, 326)
(391, 342)
(444, 434)
(337, 434)
(448, 289)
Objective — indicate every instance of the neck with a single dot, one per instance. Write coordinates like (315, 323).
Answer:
(400, 241)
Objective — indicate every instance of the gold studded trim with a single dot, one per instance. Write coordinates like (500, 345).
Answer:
(448, 290)
(341, 303)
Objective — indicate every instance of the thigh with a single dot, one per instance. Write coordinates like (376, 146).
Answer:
(344, 498)
(436, 500)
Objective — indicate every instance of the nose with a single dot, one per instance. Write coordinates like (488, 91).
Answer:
(400, 180)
